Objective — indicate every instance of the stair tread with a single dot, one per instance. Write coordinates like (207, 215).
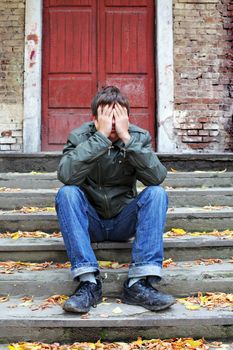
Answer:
(191, 268)
(180, 211)
(52, 191)
(104, 316)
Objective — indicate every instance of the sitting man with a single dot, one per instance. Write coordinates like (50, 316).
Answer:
(100, 165)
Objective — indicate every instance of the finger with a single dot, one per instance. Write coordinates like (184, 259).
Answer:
(99, 110)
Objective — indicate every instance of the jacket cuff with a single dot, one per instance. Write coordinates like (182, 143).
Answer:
(103, 138)
(130, 144)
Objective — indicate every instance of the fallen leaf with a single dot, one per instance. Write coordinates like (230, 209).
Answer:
(209, 300)
(32, 210)
(169, 262)
(3, 299)
(117, 310)
(6, 189)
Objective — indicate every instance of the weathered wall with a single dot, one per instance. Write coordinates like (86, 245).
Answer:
(203, 74)
(11, 74)
(203, 53)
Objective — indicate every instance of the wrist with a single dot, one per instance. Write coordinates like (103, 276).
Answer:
(126, 138)
(104, 133)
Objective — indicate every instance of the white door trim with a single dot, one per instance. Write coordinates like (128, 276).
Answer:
(33, 76)
(164, 76)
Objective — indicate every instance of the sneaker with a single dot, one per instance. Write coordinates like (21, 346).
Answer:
(142, 293)
(86, 295)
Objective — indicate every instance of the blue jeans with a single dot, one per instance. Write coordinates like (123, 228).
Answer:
(143, 218)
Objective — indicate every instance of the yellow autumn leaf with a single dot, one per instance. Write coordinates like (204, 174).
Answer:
(178, 231)
(15, 235)
(173, 170)
(105, 263)
(189, 306)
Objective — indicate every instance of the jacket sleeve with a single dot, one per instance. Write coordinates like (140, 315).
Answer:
(79, 156)
(141, 156)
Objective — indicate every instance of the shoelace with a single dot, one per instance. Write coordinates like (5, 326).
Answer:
(85, 287)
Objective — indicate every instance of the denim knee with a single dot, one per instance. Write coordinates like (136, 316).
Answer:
(68, 193)
(152, 192)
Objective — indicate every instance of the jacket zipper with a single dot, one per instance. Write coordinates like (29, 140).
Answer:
(103, 190)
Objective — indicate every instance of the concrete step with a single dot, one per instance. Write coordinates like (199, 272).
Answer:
(184, 279)
(174, 179)
(187, 197)
(52, 249)
(29, 180)
(28, 198)
(48, 161)
(179, 197)
(53, 324)
(193, 219)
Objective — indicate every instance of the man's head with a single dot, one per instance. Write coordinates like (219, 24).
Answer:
(108, 96)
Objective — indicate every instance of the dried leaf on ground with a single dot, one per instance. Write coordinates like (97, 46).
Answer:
(4, 298)
(176, 232)
(36, 173)
(32, 234)
(208, 261)
(169, 262)
(7, 189)
(209, 300)
(111, 264)
(9, 267)
(155, 344)
(26, 301)
(214, 207)
(31, 210)
(117, 310)
(50, 302)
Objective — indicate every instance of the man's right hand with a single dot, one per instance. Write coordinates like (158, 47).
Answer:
(103, 123)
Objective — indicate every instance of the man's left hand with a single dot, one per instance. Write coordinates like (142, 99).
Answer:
(121, 122)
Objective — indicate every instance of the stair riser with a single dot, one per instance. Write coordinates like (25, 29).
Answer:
(33, 182)
(71, 334)
(46, 181)
(49, 223)
(10, 201)
(120, 255)
(182, 284)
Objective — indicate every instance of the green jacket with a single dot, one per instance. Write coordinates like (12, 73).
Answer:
(107, 172)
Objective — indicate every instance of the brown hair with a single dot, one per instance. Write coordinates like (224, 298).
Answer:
(108, 95)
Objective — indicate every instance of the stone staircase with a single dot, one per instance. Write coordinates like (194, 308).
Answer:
(188, 192)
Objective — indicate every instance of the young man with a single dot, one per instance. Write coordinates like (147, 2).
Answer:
(100, 165)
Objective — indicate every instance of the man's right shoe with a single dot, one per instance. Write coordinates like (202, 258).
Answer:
(87, 294)
(143, 294)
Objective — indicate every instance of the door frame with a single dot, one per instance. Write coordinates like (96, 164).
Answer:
(164, 68)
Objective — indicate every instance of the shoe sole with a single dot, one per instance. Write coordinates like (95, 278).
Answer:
(151, 308)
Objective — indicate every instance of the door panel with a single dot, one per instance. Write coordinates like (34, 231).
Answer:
(126, 55)
(69, 68)
(90, 43)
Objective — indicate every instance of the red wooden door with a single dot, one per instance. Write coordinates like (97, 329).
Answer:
(88, 44)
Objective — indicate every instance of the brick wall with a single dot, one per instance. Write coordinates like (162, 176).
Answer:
(11, 74)
(203, 53)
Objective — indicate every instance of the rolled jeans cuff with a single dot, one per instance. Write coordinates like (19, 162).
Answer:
(77, 271)
(144, 270)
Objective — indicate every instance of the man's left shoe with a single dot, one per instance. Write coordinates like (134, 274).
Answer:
(143, 294)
